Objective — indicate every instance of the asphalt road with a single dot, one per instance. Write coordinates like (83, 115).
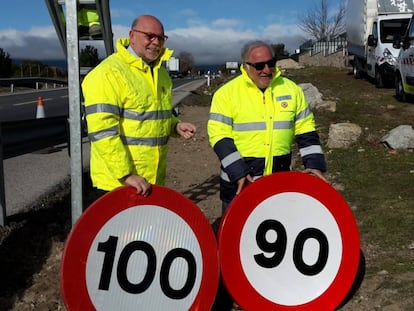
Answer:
(23, 105)
(31, 176)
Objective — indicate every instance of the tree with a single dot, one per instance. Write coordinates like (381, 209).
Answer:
(321, 24)
(89, 56)
(279, 50)
(5, 64)
(30, 68)
(186, 62)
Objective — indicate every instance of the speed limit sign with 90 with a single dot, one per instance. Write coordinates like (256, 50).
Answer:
(128, 252)
(289, 240)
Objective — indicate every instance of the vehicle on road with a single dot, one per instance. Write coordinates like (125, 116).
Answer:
(371, 28)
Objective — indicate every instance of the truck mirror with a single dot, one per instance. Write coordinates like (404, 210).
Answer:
(406, 43)
(396, 42)
(396, 45)
(372, 41)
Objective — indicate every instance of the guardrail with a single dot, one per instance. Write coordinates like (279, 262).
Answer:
(31, 82)
(21, 137)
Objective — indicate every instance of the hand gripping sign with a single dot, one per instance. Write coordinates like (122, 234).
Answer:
(128, 252)
(289, 242)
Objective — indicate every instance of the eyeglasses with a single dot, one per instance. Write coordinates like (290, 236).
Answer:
(261, 65)
(151, 36)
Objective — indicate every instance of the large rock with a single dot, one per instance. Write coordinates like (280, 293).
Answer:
(401, 137)
(314, 98)
(312, 94)
(342, 135)
(288, 63)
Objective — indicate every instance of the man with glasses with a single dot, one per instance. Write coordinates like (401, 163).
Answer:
(128, 105)
(254, 119)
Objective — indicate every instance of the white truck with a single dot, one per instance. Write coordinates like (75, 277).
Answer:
(371, 26)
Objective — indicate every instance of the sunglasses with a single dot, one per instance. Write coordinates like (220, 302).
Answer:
(151, 36)
(261, 65)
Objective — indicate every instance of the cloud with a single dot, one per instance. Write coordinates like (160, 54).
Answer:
(207, 45)
(226, 23)
(290, 35)
(218, 45)
(214, 43)
(37, 43)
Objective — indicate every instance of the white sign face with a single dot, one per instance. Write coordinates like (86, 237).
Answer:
(290, 248)
(173, 64)
(232, 65)
(141, 253)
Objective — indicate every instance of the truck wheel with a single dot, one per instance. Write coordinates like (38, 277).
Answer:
(399, 89)
(379, 81)
(355, 71)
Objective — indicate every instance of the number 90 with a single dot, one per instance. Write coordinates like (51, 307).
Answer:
(278, 247)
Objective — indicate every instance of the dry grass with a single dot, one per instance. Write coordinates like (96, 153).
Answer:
(375, 181)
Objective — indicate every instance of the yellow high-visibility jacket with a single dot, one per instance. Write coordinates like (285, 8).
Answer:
(129, 118)
(252, 130)
(88, 16)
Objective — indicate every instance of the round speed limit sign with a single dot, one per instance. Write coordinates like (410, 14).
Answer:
(128, 252)
(289, 241)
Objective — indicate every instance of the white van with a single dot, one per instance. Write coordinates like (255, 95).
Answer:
(404, 69)
(371, 27)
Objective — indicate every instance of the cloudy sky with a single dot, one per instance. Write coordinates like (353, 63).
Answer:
(212, 31)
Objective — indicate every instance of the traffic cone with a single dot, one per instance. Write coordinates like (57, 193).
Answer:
(40, 112)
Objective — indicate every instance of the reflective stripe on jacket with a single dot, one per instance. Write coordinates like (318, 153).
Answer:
(129, 117)
(246, 124)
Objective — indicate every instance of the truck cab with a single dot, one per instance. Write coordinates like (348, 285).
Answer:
(404, 70)
(381, 55)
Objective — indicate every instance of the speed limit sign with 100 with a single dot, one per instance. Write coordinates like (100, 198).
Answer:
(128, 252)
(289, 240)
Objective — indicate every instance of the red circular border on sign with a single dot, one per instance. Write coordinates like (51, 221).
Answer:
(80, 239)
(239, 210)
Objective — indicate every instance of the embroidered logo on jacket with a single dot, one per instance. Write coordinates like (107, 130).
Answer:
(283, 98)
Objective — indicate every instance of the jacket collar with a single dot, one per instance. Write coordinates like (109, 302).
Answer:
(123, 43)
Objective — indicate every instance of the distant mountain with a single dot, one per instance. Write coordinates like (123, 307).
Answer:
(211, 68)
(62, 63)
(59, 63)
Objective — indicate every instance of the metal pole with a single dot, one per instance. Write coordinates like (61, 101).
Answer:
(2, 188)
(74, 109)
(56, 13)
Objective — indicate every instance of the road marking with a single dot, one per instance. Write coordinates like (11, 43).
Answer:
(31, 102)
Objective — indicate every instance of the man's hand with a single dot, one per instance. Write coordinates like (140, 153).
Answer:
(139, 183)
(315, 172)
(243, 182)
(185, 129)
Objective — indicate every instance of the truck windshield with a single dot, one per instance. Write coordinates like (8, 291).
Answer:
(390, 28)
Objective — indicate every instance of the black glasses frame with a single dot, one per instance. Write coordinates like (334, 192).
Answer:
(151, 36)
(271, 63)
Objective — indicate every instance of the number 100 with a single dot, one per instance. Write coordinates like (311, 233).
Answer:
(109, 249)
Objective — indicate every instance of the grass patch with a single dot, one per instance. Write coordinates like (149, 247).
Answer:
(376, 182)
